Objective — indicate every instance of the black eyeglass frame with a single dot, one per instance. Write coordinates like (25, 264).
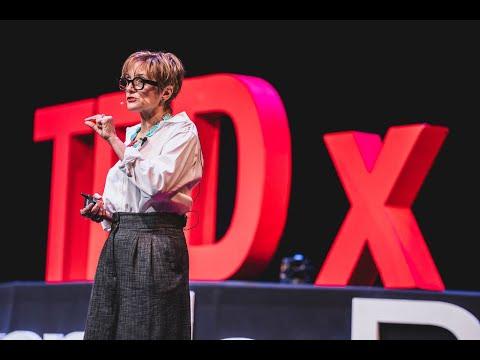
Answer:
(136, 78)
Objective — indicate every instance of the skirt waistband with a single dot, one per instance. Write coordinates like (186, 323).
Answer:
(149, 220)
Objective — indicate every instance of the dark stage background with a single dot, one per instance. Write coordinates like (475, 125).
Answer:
(331, 76)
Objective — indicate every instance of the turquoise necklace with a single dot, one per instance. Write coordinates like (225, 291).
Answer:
(150, 132)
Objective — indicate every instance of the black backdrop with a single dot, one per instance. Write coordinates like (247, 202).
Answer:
(331, 76)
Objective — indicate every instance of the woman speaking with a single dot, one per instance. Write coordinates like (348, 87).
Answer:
(141, 285)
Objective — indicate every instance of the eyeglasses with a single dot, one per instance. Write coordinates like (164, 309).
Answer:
(138, 83)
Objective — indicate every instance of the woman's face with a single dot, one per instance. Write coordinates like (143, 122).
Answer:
(145, 99)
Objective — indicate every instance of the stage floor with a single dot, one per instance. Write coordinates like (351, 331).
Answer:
(254, 310)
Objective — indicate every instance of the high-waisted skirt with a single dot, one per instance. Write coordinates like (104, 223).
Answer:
(141, 287)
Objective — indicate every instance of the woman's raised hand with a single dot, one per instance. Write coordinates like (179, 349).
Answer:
(102, 124)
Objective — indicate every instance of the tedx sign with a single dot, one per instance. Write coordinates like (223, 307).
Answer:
(380, 178)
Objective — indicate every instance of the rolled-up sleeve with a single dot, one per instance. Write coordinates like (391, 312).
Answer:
(169, 171)
(106, 225)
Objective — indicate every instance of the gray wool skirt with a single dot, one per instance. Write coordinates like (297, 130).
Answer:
(141, 287)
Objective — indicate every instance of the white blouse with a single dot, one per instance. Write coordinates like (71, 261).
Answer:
(159, 174)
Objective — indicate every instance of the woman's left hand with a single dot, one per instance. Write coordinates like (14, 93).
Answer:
(96, 212)
(102, 124)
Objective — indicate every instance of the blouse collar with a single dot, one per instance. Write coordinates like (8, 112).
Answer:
(153, 129)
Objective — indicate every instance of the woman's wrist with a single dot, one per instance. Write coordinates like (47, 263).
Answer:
(107, 216)
(117, 145)
(112, 139)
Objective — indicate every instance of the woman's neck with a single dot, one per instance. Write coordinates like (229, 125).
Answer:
(151, 118)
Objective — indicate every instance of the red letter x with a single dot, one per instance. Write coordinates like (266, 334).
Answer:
(381, 184)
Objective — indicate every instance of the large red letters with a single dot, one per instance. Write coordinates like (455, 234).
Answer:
(379, 233)
(381, 183)
(81, 162)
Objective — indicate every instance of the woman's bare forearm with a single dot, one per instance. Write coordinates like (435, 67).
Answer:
(117, 145)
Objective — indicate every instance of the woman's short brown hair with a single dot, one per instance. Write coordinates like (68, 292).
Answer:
(163, 67)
